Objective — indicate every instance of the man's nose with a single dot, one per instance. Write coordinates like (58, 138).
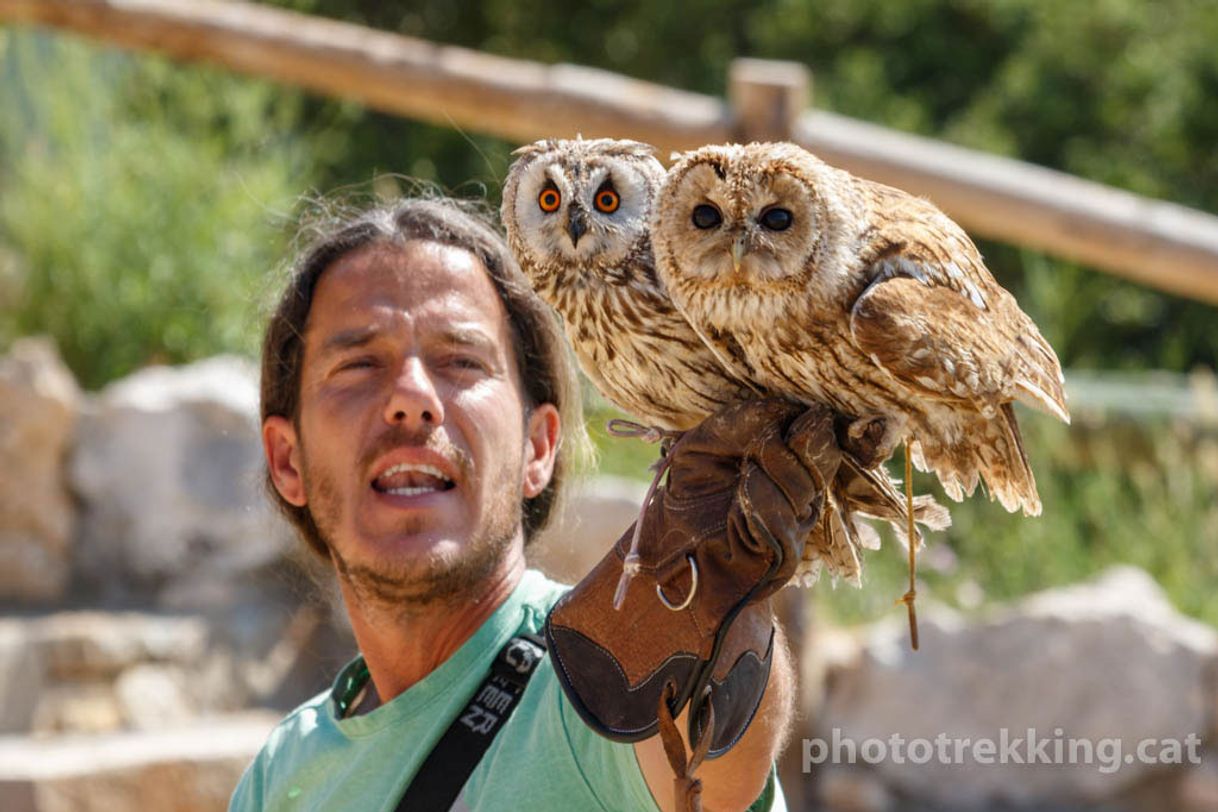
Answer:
(414, 402)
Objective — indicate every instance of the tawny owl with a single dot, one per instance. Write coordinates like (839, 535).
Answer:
(862, 297)
(577, 217)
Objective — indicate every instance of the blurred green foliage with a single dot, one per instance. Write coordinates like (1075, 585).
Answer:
(196, 170)
(141, 203)
(1118, 91)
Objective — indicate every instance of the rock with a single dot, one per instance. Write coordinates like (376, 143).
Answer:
(595, 515)
(39, 401)
(83, 646)
(1108, 662)
(827, 654)
(848, 789)
(96, 672)
(22, 676)
(101, 671)
(77, 707)
(152, 697)
(189, 769)
(168, 464)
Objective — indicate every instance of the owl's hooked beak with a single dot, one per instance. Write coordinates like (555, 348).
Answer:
(739, 248)
(577, 224)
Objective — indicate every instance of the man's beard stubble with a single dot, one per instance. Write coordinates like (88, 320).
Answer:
(397, 587)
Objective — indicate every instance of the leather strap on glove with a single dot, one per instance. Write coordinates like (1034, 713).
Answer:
(725, 532)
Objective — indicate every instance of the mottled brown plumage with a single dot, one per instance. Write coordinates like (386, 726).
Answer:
(849, 293)
(595, 268)
(629, 339)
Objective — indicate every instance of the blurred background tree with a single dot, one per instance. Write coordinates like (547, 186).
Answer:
(1114, 91)
(142, 205)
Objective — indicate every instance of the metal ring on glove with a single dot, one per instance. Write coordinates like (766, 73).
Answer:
(693, 589)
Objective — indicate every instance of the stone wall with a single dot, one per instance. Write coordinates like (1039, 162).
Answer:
(1108, 662)
(150, 597)
(151, 600)
(39, 404)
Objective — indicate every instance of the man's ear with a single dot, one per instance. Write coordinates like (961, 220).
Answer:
(282, 450)
(542, 435)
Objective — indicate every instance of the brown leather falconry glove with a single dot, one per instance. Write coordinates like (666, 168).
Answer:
(725, 532)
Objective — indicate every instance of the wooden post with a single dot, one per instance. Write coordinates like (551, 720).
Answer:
(767, 98)
(766, 101)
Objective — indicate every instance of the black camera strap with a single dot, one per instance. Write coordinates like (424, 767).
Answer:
(438, 783)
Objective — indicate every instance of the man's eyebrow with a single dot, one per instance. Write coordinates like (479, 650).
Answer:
(465, 337)
(348, 339)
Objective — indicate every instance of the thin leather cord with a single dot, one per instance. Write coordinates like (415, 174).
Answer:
(687, 789)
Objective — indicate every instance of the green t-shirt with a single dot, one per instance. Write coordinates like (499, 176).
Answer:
(544, 757)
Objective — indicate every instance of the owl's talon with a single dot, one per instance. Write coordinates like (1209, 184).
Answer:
(621, 427)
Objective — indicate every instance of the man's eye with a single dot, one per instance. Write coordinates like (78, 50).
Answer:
(467, 362)
(356, 363)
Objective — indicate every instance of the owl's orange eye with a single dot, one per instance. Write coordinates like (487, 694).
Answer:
(607, 201)
(549, 200)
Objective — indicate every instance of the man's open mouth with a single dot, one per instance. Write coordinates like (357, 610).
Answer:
(412, 479)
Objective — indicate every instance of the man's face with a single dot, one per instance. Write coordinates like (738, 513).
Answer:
(413, 449)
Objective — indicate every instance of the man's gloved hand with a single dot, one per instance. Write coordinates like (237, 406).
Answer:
(724, 533)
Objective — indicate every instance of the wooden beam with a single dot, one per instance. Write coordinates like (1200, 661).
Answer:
(1152, 242)
(1159, 244)
(513, 99)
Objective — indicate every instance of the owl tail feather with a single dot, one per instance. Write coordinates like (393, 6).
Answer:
(1012, 480)
(990, 449)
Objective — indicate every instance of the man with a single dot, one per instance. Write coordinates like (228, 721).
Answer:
(414, 399)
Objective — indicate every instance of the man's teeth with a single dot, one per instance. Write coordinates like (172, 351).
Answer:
(411, 479)
(416, 468)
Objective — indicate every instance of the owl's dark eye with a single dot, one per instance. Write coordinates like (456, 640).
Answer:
(776, 219)
(706, 216)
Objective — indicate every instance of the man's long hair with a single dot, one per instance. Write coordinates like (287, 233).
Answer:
(546, 369)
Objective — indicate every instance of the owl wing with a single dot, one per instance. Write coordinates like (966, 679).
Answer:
(934, 318)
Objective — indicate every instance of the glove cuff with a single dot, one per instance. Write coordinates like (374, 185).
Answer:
(614, 666)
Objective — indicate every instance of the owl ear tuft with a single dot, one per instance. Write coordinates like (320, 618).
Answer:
(639, 148)
(619, 147)
(544, 145)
